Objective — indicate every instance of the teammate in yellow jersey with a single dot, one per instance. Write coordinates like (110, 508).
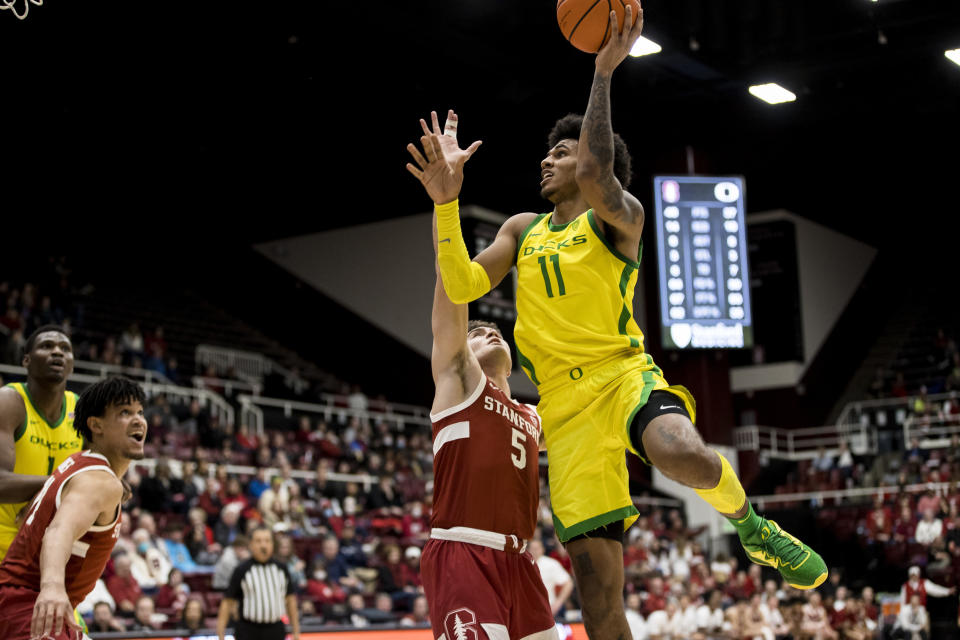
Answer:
(36, 424)
(599, 392)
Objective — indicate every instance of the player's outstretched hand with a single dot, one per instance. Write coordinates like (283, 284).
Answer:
(441, 163)
(621, 40)
(51, 612)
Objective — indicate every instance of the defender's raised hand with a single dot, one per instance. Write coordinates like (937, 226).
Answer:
(621, 40)
(441, 163)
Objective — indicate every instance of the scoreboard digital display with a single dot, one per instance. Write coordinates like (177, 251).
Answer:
(702, 259)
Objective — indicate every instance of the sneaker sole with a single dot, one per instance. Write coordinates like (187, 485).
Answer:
(816, 583)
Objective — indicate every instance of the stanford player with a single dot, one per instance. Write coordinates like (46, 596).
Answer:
(478, 577)
(71, 526)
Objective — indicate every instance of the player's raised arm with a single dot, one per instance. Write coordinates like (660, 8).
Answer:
(83, 500)
(439, 168)
(595, 174)
(14, 487)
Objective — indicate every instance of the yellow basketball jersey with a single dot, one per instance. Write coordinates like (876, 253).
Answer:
(574, 300)
(40, 447)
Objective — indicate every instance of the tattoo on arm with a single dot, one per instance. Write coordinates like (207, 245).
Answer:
(584, 565)
(597, 121)
(596, 124)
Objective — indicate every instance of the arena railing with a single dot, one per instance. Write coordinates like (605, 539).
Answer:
(802, 444)
(251, 412)
(102, 370)
(176, 465)
(863, 410)
(817, 498)
(209, 400)
(229, 386)
(932, 433)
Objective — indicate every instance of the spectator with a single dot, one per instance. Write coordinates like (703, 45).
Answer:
(131, 343)
(228, 526)
(921, 587)
(336, 565)
(929, 529)
(631, 608)
(656, 599)
(356, 608)
(149, 566)
(913, 623)
(178, 552)
(774, 617)
(234, 554)
(350, 548)
(845, 459)
(144, 616)
(710, 615)
(296, 567)
(100, 593)
(321, 588)
(123, 586)
(555, 578)
(815, 619)
(274, 503)
(103, 620)
(899, 387)
(419, 615)
(173, 595)
(823, 462)
(259, 484)
(193, 615)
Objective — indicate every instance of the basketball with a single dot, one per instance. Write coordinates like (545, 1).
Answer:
(586, 23)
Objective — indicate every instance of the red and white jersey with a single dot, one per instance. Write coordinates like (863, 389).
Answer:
(89, 554)
(486, 471)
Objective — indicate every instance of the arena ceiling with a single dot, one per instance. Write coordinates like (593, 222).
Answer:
(226, 123)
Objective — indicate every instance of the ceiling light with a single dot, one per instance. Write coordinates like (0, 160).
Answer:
(953, 55)
(644, 47)
(772, 93)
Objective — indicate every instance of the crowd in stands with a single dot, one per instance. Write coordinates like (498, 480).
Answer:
(353, 546)
(931, 368)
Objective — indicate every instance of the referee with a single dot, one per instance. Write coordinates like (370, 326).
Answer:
(260, 589)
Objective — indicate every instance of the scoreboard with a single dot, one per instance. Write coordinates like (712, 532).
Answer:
(702, 260)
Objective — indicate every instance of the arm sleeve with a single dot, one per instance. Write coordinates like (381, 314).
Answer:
(935, 589)
(463, 279)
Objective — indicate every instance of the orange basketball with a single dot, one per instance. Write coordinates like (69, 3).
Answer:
(586, 23)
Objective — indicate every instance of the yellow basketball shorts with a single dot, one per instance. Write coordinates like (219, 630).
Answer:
(586, 426)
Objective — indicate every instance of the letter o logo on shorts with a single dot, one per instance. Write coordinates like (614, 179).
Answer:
(576, 373)
(460, 624)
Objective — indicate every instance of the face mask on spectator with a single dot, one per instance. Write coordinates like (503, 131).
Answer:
(319, 575)
(143, 547)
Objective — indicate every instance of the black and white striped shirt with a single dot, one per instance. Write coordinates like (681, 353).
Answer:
(260, 589)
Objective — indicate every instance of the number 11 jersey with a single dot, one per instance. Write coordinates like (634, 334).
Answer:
(486, 471)
(574, 300)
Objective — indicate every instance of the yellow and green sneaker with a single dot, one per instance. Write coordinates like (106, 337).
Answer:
(771, 546)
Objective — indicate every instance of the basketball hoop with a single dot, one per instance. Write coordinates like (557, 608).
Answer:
(11, 4)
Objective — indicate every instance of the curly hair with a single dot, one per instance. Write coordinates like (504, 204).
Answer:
(568, 128)
(96, 398)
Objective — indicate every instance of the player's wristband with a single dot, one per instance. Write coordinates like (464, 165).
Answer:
(463, 279)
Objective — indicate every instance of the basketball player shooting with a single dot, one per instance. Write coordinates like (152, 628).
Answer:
(72, 525)
(577, 340)
(477, 574)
